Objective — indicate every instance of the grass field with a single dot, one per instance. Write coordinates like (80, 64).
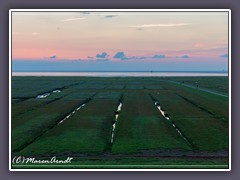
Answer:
(80, 121)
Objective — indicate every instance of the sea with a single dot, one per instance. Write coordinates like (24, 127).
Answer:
(125, 74)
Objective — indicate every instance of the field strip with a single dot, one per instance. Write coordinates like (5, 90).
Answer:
(32, 108)
(156, 103)
(22, 99)
(50, 128)
(43, 96)
(191, 102)
(69, 115)
(45, 92)
(198, 88)
(38, 106)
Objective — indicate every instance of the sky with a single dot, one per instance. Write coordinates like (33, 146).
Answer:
(119, 41)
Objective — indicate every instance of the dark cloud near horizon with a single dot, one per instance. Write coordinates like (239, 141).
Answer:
(103, 55)
(184, 56)
(126, 58)
(134, 58)
(159, 56)
(120, 55)
(53, 57)
(224, 55)
(142, 57)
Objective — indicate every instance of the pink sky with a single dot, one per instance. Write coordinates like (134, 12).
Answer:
(69, 36)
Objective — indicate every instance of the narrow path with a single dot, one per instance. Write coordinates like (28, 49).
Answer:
(198, 88)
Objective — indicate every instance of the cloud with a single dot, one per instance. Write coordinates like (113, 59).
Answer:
(141, 57)
(35, 33)
(53, 57)
(133, 57)
(73, 19)
(159, 56)
(110, 16)
(119, 55)
(184, 56)
(126, 58)
(103, 55)
(90, 57)
(160, 25)
(224, 55)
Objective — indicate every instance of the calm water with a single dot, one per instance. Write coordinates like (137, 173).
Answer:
(120, 74)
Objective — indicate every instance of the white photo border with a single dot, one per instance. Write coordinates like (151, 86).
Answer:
(119, 10)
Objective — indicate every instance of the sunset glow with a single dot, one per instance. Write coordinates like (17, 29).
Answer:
(121, 36)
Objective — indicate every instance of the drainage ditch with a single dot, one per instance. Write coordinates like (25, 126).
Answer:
(45, 95)
(70, 114)
(166, 116)
(119, 108)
